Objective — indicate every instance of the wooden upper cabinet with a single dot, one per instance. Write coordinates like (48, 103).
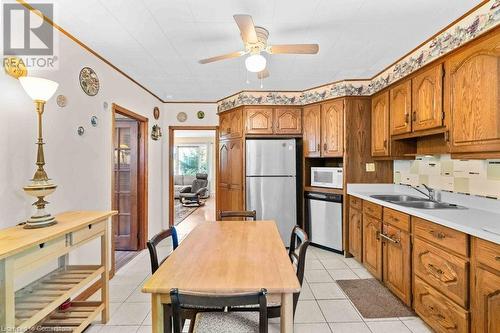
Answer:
(473, 76)
(427, 99)
(332, 128)
(259, 121)
(400, 108)
(380, 125)
(312, 130)
(224, 124)
(288, 121)
(230, 124)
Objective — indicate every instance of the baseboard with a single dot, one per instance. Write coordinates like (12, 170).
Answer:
(84, 295)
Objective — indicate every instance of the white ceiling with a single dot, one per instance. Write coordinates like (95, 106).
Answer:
(158, 42)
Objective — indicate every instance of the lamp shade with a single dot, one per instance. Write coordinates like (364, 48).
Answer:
(37, 88)
(255, 63)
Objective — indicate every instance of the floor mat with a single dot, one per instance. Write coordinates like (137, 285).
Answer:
(181, 212)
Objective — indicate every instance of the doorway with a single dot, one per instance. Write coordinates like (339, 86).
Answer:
(192, 174)
(129, 185)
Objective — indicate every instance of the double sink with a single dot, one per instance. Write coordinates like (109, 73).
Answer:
(416, 202)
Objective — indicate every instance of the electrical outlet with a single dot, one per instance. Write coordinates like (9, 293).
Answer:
(370, 167)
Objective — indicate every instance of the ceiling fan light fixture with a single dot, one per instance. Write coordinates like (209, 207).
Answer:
(255, 63)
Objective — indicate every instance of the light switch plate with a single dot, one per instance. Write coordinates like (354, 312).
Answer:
(370, 167)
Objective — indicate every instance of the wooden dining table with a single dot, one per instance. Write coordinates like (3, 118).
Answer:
(227, 257)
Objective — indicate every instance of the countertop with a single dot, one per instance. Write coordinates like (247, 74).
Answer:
(481, 218)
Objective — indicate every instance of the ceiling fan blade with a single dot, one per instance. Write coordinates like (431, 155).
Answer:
(247, 28)
(222, 57)
(294, 49)
(263, 74)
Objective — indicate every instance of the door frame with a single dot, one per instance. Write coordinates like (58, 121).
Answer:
(142, 185)
(171, 137)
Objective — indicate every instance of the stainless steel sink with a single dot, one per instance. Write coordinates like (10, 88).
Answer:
(398, 198)
(429, 205)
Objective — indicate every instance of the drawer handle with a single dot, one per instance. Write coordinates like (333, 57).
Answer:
(395, 219)
(497, 258)
(41, 245)
(90, 226)
(438, 235)
(435, 269)
(384, 236)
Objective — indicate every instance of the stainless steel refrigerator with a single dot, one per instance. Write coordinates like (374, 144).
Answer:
(271, 182)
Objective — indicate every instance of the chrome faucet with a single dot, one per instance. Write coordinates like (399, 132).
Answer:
(432, 193)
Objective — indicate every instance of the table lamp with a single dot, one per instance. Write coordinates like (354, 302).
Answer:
(40, 90)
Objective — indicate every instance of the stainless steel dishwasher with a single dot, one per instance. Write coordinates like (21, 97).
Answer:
(324, 213)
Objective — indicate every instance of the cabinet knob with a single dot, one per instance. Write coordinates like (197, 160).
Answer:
(407, 118)
(385, 143)
(325, 146)
(438, 235)
(414, 116)
(319, 147)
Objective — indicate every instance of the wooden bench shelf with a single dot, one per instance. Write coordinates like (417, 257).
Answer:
(75, 319)
(41, 297)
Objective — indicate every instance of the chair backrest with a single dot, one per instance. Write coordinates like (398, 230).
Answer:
(299, 243)
(185, 299)
(153, 242)
(231, 214)
(201, 181)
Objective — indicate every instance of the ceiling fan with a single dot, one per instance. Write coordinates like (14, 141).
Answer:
(255, 42)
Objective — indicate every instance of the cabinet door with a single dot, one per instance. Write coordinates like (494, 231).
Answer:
(259, 121)
(474, 76)
(355, 233)
(400, 108)
(224, 168)
(372, 245)
(397, 264)
(427, 99)
(312, 128)
(288, 121)
(485, 302)
(332, 128)
(236, 123)
(224, 124)
(236, 163)
(380, 125)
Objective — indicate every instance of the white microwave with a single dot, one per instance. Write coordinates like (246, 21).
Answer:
(327, 177)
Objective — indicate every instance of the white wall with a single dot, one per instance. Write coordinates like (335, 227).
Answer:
(80, 166)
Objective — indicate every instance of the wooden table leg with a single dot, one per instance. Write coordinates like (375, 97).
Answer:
(286, 313)
(7, 296)
(157, 313)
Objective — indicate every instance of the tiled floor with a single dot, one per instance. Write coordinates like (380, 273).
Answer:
(323, 307)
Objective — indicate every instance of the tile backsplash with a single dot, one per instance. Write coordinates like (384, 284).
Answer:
(478, 177)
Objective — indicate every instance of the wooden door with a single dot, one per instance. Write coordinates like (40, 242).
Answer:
(332, 128)
(400, 108)
(397, 262)
(288, 121)
(355, 233)
(236, 123)
(259, 121)
(372, 245)
(486, 302)
(380, 125)
(474, 79)
(224, 124)
(126, 177)
(427, 99)
(312, 130)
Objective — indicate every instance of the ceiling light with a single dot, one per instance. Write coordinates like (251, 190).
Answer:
(255, 63)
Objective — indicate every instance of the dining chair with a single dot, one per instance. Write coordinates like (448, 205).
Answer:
(231, 214)
(221, 321)
(153, 243)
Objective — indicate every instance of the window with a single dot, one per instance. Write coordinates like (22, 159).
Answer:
(191, 159)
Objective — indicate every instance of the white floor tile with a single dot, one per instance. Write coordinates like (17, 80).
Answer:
(130, 314)
(342, 274)
(312, 328)
(119, 329)
(417, 325)
(94, 328)
(119, 292)
(308, 312)
(305, 292)
(138, 296)
(349, 328)
(352, 263)
(145, 329)
(334, 264)
(338, 311)
(362, 273)
(313, 264)
(318, 276)
(388, 327)
(328, 290)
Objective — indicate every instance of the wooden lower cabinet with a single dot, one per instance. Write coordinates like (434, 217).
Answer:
(396, 250)
(372, 245)
(355, 233)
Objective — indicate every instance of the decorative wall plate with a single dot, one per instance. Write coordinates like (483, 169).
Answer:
(80, 130)
(182, 116)
(89, 81)
(62, 101)
(156, 113)
(94, 121)
(200, 114)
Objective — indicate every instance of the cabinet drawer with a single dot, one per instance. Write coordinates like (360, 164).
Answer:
(39, 254)
(444, 271)
(355, 202)
(487, 253)
(372, 209)
(453, 240)
(88, 232)
(438, 311)
(397, 219)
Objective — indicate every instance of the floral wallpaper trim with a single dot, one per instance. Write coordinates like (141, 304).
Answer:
(476, 23)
